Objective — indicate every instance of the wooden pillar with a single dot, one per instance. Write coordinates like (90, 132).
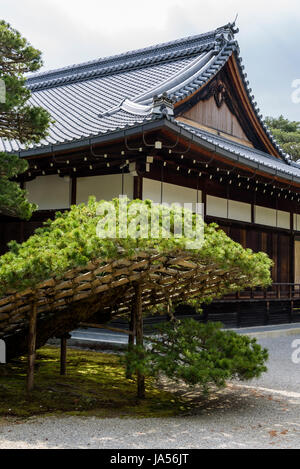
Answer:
(139, 335)
(292, 257)
(31, 347)
(138, 187)
(204, 201)
(63, 353)
(73, 194)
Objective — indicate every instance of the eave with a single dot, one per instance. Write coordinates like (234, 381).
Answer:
(174, 130)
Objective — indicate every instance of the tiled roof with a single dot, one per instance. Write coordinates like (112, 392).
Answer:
(255, 158)
(99, 97)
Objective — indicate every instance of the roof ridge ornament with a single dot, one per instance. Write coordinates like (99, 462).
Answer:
(225, 34)
(220, 42)
(163, 106)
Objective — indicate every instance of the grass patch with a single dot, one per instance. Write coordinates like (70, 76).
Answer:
(95, 384)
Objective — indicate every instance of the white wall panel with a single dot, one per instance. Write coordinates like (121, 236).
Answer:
(171, 192)
(49, 192)
(265, 216)
(216, 206)
(296, 222)
(272, 217)
(103, 187)
(239, 211)
(283, 219)
(151, 190)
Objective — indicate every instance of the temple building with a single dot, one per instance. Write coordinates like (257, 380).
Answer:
(175, 122)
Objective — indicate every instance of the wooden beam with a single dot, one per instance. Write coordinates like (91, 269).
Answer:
(31, 346)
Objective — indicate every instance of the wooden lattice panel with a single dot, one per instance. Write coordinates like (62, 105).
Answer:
(108, 286)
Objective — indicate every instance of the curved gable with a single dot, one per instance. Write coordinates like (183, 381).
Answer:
(223, 106)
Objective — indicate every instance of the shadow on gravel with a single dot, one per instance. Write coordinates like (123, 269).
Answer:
(233, 399)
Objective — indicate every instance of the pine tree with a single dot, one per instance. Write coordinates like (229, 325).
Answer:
(287, 134)
(18, 119)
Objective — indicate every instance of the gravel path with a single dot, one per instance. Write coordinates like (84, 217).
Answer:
(263, 414)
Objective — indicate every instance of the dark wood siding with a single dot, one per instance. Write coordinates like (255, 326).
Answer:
(277, 245)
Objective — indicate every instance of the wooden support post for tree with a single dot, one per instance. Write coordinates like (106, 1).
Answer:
(139, 335)
(267, 313)
(63, 353)
(238, 315)
(31, 346)
(131, 338)
(291, 311)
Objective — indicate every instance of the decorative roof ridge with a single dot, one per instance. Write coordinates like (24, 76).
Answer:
(202, 78)
(187, 81)
(158, 53)
(115, 68)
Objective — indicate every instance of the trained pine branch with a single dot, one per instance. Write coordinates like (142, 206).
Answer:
(76, 274)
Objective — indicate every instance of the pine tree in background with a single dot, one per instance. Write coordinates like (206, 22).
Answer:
(18, 119)
(287, 134)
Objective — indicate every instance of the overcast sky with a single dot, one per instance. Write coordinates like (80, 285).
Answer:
(74, 31)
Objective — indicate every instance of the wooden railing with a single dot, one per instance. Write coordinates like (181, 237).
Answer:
(275, 292)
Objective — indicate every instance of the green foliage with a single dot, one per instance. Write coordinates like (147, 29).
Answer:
(198, 354)
(70, 241)
(12, 198)
(287, 133)
(18, 119)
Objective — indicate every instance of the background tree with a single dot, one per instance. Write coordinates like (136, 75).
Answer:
(18, 118)
(287, 133)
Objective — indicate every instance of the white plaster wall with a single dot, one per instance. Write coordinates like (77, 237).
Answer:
(272, 217)
(151, 190)
(216, 206)
(296, 222)
(239, 211)
(49, 192)
(283, 219)
(265, 216)
(103, 187)
(171, 192)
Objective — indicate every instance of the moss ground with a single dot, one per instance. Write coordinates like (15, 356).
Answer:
(95, 384)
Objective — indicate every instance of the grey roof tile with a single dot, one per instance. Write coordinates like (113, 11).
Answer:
(247, 153)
